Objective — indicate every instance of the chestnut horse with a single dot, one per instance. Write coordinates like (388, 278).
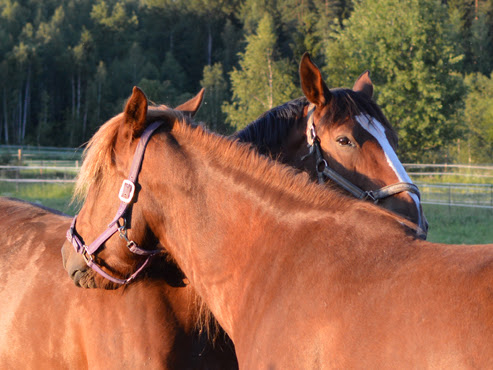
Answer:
(354, 144)
(49, 323)
(350, 142)
(298, 275)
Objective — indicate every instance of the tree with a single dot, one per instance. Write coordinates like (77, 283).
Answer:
(478, 118)
(263, 81)
(215, 94)
(407, 48)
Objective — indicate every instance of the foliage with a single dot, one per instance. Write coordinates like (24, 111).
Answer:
(216, 92)
(66, 66)
(407, 48)
(478, 119)
(263, 81)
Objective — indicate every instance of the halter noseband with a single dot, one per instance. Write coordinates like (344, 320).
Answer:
(323, 170)
(126, 196)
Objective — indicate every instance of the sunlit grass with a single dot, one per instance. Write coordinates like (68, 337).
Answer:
(448, 224)
(55, 196)
(459, 225)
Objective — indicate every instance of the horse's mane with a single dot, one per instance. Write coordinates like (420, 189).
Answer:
(269, 131)
(271, 128)
(238, 157)
(98, 157)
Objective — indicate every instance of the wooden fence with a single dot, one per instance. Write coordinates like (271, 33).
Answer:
(441, 184)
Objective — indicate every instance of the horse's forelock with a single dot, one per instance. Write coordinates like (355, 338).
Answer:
(98, 155)
(347, 104)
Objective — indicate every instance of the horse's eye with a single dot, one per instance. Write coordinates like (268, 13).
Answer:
(344, 141)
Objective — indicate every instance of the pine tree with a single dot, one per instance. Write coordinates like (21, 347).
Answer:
(478, 118)
(263, 81)
(215, 94)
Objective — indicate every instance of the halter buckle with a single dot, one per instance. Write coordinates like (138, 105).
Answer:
(123, 235)
(321, 165)
(369, 195)
(88, 258)
(126, 199)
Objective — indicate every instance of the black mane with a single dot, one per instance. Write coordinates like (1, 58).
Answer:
(270, 130)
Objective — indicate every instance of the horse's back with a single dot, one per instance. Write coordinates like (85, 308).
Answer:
(32, 291)
(48, 322)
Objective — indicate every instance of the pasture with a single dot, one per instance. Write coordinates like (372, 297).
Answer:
(45, 175)
(448, 224)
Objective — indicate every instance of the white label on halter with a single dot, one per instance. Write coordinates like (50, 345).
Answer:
(376, 129)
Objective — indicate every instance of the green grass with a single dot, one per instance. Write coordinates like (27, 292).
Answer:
(453, 225)
(55, 196)
(459, 225)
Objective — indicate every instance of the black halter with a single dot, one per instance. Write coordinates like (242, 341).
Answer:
(324, 171)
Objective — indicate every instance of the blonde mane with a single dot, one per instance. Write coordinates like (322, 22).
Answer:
(97, 157)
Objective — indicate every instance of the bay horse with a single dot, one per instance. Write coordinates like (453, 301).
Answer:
(350, 142)
(298, 275)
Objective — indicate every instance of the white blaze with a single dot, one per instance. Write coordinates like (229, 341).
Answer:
(376, 129)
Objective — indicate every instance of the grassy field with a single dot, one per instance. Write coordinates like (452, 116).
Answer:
(459, 225)
(456, 225)
(55, 196)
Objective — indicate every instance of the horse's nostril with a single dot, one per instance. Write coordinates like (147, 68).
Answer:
(77, 275)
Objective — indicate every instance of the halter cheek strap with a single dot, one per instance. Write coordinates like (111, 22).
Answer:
(126, 196)
(324, 171)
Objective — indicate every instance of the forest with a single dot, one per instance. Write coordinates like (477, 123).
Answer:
(66, 66)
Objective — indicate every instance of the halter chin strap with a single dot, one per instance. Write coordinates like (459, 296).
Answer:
(324, 171)
(126, 196)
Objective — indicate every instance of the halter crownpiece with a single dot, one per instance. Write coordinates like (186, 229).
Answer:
(126, 196)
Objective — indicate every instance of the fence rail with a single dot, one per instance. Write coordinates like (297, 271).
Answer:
(433, 190)
(455, 194)
(24, 154)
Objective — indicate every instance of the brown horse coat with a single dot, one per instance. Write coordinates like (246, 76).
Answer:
(48, 323)
(298, 276)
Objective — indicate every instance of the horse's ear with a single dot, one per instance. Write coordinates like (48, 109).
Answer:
(363, 84)
(192, 106)
(136, 112)
(312, 83)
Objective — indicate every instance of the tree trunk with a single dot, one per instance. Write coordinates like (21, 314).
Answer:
(84, 119)
(77, 112)
(73, 96)
(98, 108)
(209, 44)
(27, 103)
(270, 98)
(5, 117)
(74, 109)
(19, 118)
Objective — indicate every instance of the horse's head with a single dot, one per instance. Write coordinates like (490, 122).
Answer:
(355, 141)
(101, 182)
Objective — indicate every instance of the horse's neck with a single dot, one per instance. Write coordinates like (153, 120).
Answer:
(224, 228)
